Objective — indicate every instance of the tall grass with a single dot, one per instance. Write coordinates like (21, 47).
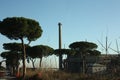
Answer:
(47, 74)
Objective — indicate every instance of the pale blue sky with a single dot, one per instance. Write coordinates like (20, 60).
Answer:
(89, 20)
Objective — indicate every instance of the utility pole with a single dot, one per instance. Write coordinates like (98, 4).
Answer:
(60, 47)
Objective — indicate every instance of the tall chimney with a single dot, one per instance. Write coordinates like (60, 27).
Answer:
(60, 40)
(60, 47)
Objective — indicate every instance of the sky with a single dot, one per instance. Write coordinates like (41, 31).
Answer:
(82, 20)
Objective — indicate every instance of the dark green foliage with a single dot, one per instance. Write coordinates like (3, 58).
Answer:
(46, 50)
(83, 45)
(39, 51)
(94, 52)
(2, 68)
(83, 50)
(12, 57)
(61, 52)
(64, 51)
(0, 24)
(86, 48)
(20, 27)
(12, 60)
(14, 49)
(30, 52)
(14, 46)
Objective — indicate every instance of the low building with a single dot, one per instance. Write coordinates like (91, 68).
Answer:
(79, 64)
(86, 64)
(96, 68)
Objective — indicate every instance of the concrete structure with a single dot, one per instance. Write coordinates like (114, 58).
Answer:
(75, 63)
(60, 46)
(93, 64)
(96, 68)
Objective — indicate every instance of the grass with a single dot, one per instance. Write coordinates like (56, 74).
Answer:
(61, 75)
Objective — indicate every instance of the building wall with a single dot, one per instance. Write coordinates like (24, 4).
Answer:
(75, 63)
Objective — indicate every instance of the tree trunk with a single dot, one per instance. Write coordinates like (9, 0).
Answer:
(14, 71)
(60, 61)
(84, 64)
(17, 64)
(17, 69)
(24, 57)
(33, 63)
(40, 62)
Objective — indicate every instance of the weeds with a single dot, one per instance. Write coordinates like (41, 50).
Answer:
(61, 75)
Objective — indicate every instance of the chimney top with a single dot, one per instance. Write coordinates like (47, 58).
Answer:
(59, 24)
